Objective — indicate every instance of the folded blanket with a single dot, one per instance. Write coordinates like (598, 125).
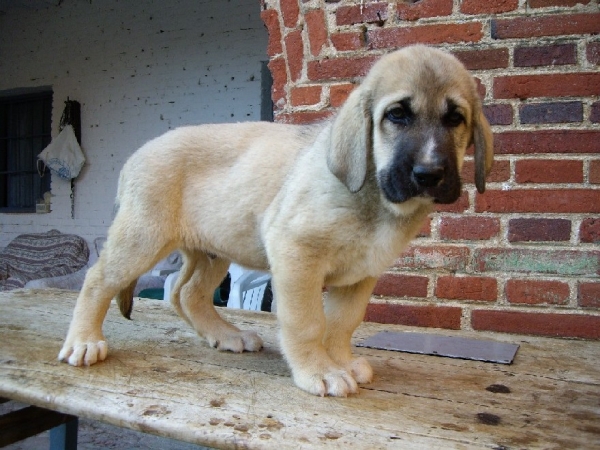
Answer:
(33, 256)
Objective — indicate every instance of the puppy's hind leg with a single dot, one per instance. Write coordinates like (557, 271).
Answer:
(185, 273)
(192, 297)
(123, 259)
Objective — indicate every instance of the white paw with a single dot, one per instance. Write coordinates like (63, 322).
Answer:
(82, 353)
(237, 342)
(333, 382)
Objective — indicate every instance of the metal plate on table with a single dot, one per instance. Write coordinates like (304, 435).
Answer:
(439, 345)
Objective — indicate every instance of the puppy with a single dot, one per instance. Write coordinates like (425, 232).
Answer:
(325, 205)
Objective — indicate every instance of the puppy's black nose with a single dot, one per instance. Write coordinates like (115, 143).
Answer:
(428, 175)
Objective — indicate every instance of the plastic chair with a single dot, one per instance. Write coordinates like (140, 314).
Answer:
(169, 283)
(247, 287)
(248, 290)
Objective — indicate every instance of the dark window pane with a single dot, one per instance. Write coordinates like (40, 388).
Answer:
(25, 130)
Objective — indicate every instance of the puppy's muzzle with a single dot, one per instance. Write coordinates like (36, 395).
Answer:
(419, 170)
(437, 180)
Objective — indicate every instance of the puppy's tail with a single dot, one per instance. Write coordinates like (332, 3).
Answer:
(125, 300)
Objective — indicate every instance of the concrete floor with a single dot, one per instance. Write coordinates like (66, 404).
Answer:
(94, 435)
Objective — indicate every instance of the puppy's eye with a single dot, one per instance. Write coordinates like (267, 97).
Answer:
(453, 119)
(400, 115)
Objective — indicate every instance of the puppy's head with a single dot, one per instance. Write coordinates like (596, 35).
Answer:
(413, 116)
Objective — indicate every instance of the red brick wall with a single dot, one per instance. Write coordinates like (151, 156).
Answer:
(523, 257)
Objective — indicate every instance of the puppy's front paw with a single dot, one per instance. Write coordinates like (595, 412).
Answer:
(334, 382)
(236, 341)
(79, 352)
(361, 370)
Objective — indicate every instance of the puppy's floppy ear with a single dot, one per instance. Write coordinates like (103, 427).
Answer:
(351, 142)
(484, 150)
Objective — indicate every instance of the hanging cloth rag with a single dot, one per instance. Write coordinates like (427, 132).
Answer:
(63, 156)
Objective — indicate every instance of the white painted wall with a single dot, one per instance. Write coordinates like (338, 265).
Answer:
(138, 68)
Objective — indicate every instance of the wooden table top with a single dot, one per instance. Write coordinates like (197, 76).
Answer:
(161, 378)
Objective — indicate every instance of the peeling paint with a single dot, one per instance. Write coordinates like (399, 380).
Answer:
(560, 262)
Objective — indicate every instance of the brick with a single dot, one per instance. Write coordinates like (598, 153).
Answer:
(305, 95)
(424, 9)
(589, 231)
(498, 114)
(537, 292)
(595, 112)
(426, 229)
(398, 285)
(554, 112)
(495, 58)
(290, 10)
(488, 6)
(481, 89)
(363, 13)
(539, 201)
(548, 3)
(593, 52)
(439, 257)
(279, 74)
(340, 68)
(550, 262)
(500, 172)
(546, 55)
(348, 41)
(588, 294)
(469, 228)
(338, 93)
(547, 85)
(447, 317)
(304, 117)
(547, 141)
(540, 324)
(467, 288)
(537, 230)
(294, 53)
(317, 30)
(550, 25)
(460, 205)
(388, 38)
(270, 17)
(548, 171)
(595, 172)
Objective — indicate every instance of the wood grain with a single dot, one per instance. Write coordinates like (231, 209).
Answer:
(161, 378)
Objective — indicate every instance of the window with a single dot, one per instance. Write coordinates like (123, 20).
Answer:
(25, 130)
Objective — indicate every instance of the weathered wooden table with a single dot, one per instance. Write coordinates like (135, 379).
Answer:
(161, 378)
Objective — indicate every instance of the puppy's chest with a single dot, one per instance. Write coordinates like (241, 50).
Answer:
(370, 255)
